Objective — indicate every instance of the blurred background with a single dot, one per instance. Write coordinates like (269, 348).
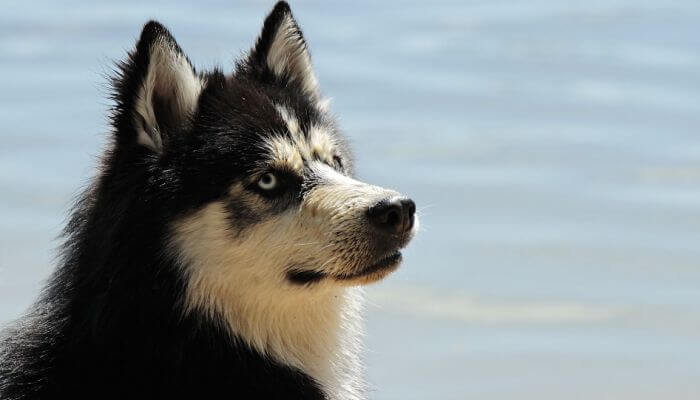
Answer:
(553, 149)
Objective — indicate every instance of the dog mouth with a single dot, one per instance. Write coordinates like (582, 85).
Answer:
(375, 271)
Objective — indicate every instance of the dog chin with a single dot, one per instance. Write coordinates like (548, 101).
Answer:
(372, 273)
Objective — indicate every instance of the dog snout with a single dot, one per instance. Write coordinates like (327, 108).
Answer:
(393, 215)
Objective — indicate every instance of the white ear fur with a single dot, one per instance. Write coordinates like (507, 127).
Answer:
(169, 79)
(288, 56)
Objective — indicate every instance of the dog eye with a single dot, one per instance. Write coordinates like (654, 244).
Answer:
(267, 181)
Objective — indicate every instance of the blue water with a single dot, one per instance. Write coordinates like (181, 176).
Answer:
(553, 149)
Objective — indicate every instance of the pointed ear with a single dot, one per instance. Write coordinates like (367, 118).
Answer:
(281, 52)
(156, 89)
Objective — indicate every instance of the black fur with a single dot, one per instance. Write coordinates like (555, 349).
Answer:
(110, 322)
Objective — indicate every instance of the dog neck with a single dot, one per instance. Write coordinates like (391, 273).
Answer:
(316, 332)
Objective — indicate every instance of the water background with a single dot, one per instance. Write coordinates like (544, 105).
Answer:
(553, 149)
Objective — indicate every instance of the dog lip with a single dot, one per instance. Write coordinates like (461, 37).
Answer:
(304, 277)
(388, 262)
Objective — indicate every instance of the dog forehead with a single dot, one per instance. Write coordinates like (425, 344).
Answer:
(299, 143)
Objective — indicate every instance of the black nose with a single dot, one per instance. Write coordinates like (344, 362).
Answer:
(394, 215)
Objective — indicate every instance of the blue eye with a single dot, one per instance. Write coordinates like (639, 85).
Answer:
(267, 181)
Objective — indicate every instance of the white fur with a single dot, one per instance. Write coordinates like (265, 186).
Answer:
(315, 144)
(288, 55)
(324, 104)
(169, 74)
(314, 329)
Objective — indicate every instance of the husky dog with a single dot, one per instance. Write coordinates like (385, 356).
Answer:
(220, 249)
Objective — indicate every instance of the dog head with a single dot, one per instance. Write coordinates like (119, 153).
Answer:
(252, 170)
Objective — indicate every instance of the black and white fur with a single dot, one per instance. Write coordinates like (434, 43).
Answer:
(219, 251)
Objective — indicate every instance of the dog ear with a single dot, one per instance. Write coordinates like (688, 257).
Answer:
(156, 90)
(281, 53)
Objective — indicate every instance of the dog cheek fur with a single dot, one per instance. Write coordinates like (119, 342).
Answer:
(315, 329)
